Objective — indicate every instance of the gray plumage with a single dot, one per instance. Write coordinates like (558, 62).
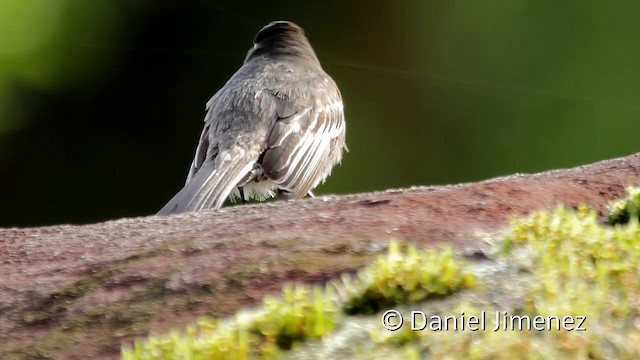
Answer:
(277, 125)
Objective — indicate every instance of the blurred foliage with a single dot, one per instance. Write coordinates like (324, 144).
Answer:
(49, 45)
(101, 102)
(622, 211)
(405, 278)
(301, 313)
(304, 313)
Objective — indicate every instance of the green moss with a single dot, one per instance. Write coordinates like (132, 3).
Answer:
(206, 340)
(301, 313)
(579, 268)
(582, 268)
(304, 313)
(621, 211)
(402, 278)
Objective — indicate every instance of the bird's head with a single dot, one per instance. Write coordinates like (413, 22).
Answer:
(281, 39)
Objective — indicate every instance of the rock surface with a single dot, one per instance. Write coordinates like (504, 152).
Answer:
(78, 292)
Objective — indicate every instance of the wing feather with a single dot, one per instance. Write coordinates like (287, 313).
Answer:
(229, 147)
(211, 185)
(304, 147)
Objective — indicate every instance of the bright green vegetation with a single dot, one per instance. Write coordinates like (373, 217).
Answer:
(578, 267)
(584, 268)
(403, 278)
(621, 211)
(551, 264)
(304, 313)
(301, 313)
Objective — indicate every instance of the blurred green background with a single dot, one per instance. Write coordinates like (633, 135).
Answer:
(102, 101)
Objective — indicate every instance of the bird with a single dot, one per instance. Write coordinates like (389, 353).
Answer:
(275, 129)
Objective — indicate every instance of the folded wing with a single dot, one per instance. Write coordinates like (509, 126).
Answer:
(304, 147)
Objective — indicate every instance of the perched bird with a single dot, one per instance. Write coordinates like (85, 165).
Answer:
(277, 126)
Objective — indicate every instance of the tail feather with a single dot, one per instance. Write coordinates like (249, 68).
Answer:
(209, 188)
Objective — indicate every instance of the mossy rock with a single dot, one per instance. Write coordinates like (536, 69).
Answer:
(550, 275)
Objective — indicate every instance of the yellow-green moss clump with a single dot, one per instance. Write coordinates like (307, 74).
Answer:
(583, 268)
(301, 313)
(304, 313)
(621, 211)
(579, 268)
(402, 278)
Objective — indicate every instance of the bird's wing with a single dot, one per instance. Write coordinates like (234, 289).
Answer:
(304, 146)
(203, 144)
(201, 153)
(212, 183)
(229, 148)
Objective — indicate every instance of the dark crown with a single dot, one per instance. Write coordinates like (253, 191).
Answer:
(278, 31)
(282, 39)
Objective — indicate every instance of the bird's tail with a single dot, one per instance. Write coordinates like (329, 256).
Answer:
(210, 186)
